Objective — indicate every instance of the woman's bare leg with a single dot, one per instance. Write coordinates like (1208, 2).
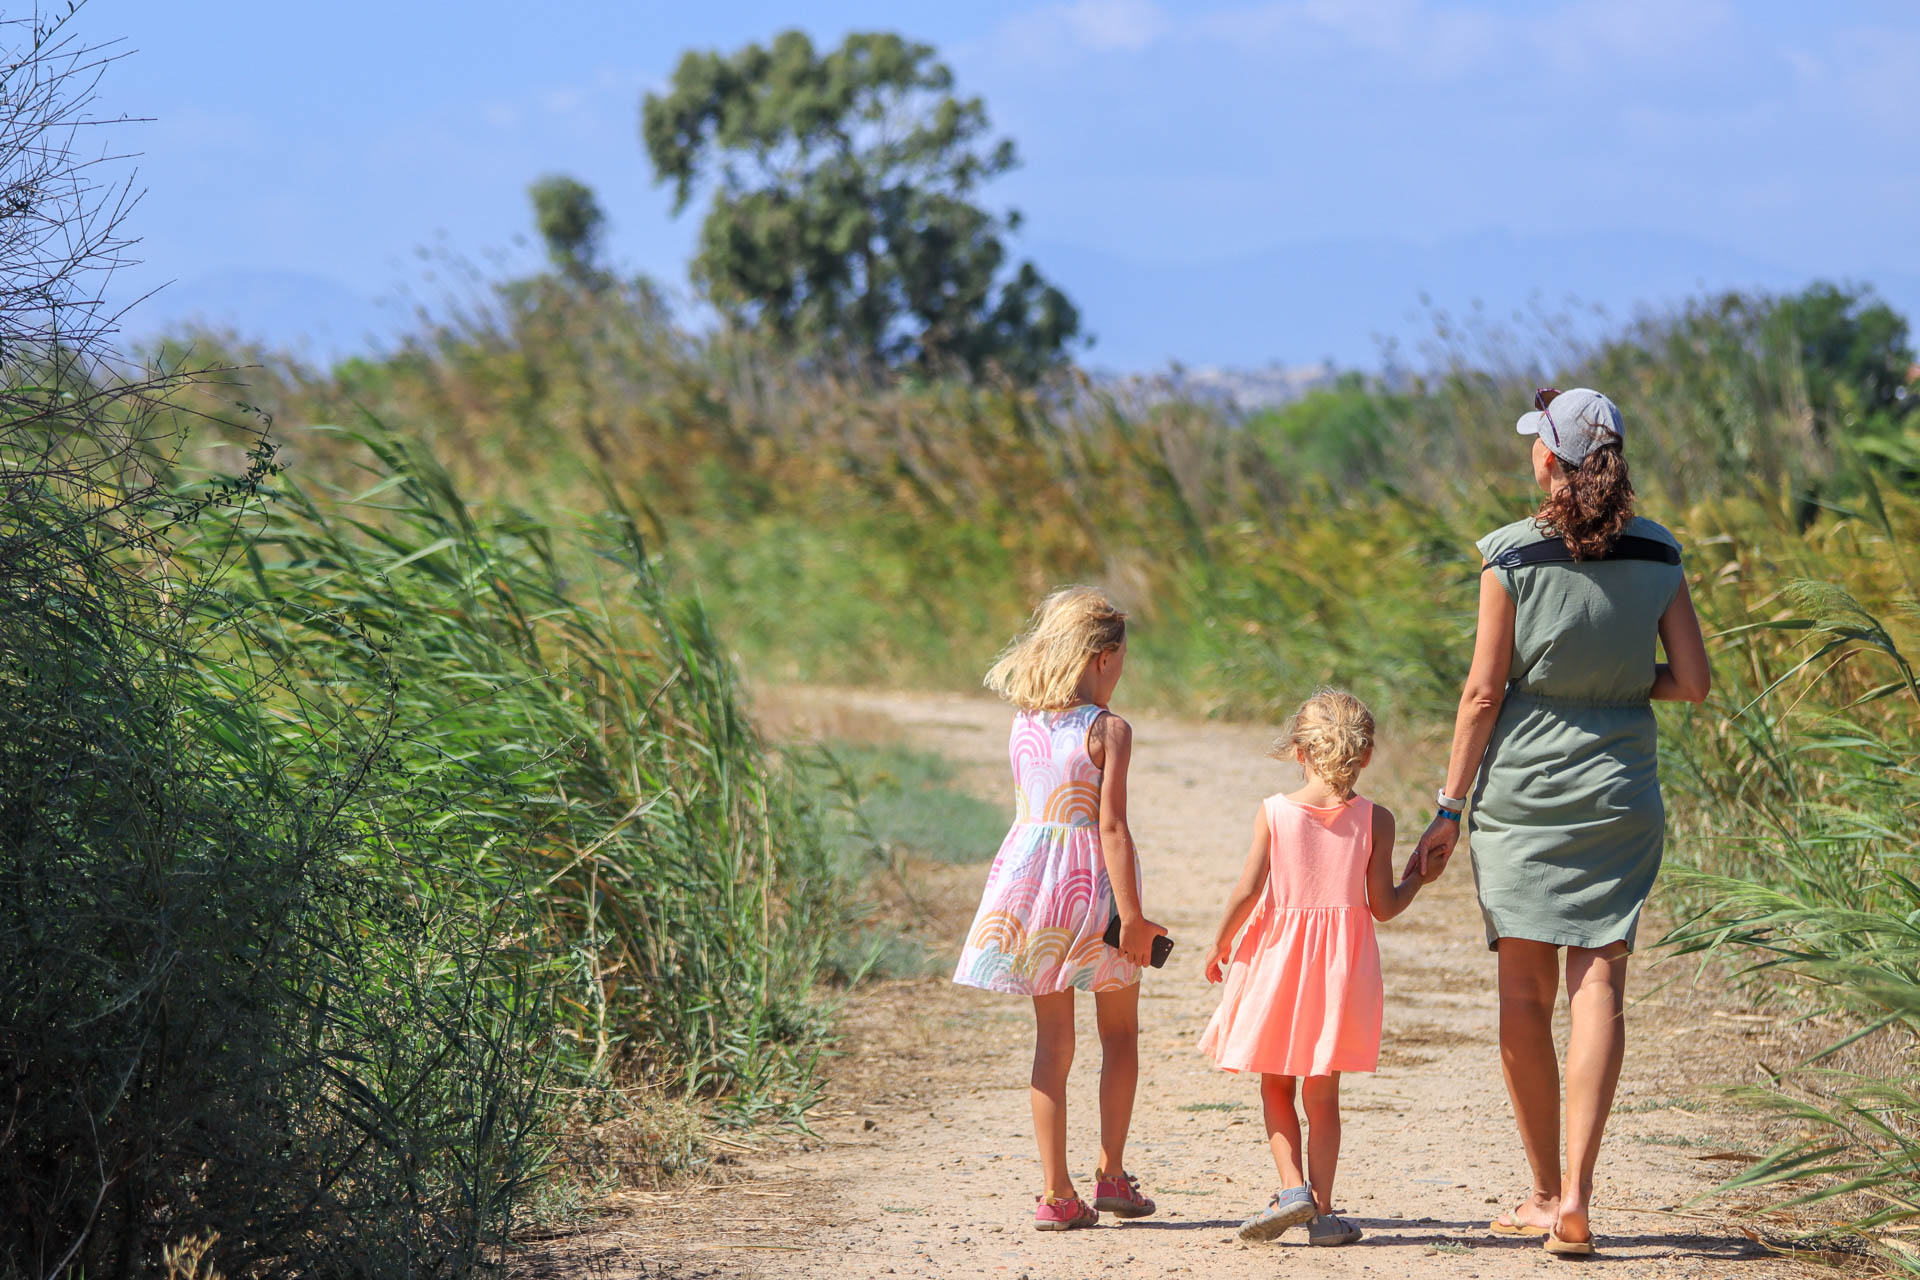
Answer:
(1321, 1096)
(1596, 994)
(1529, 985)
(1052, 1059)
(1283, 1129)
(1118, 1016)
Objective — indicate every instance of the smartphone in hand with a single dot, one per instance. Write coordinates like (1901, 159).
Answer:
(1162, 944)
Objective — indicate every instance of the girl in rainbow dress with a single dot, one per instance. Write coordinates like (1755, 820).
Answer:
(1067, 866)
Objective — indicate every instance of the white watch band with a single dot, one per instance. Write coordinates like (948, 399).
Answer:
(1449, 803)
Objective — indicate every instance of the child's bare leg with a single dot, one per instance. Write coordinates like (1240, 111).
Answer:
(1118, 1015)
(1321, 1097)
(1052, 1059)
(1283, 1128)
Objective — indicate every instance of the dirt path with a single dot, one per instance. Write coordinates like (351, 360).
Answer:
(923, 1163)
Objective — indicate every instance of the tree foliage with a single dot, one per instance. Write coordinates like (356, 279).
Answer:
(572, 224)
(843, 219)
(1855, 352)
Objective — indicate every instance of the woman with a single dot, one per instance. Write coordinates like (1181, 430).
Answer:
(1567, 827)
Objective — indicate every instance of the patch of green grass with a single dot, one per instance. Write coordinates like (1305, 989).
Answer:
(901, 1208)
(1213, 1106)
(1660, 1104)
(911, 803)
(1452, 1248)
(879, 953)
(1671, 1140)
(1187, 1191)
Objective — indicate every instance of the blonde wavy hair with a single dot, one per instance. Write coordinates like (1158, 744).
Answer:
(1040, 670)
(1334, 731)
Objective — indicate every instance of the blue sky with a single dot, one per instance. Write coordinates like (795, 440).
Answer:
(1234, 182)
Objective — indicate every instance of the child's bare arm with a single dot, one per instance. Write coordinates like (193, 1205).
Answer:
(1253, 878)
(1115, 740)
(1385, 898)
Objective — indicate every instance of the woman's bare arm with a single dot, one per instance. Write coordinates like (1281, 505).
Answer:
(1480, 700)
(1486, 687)
(1684, 676)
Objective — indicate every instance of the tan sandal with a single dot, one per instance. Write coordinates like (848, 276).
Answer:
(1568, 1248)
(1508, 1226)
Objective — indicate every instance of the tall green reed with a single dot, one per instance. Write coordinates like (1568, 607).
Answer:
(675, 865)
(1803, 796)
(214, 1020)
(354, 852)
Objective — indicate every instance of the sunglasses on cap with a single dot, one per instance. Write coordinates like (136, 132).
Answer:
(1542, 397)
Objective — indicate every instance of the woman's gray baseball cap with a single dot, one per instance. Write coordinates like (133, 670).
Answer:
(1575, 423)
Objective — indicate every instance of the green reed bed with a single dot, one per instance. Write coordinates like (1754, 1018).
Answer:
(1803, 788)
(358, 858)
(254, 988)
(678, 869)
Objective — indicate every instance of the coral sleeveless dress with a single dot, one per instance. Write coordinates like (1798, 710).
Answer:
(1047, 899)
(1303, 994)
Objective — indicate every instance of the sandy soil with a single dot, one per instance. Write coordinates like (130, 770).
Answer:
(921, 1162)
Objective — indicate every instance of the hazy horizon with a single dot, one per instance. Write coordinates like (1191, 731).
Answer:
(1273, 182)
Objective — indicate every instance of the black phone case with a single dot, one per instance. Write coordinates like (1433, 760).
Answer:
(1162, 945)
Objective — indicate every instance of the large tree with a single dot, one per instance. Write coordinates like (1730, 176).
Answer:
(843, 219)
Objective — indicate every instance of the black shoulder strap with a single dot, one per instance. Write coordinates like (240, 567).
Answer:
(1554, 551)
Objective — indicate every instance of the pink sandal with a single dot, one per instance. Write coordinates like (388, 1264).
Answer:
(1064, 1214)
(1119, 1195)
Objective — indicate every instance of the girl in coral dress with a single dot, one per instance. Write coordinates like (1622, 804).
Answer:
(1066, 868)
(1302, 994)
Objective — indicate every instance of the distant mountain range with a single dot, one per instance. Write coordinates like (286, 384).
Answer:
(1351, 303)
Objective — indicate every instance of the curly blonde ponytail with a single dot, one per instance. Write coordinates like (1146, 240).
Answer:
(1040, 670)
(1334, 731)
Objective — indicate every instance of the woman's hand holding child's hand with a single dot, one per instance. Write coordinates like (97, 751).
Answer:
(1435, 847)
(1136, 939)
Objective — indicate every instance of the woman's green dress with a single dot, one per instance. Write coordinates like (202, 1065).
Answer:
(1568, 826)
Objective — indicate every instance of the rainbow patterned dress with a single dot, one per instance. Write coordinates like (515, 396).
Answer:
(1047, 899)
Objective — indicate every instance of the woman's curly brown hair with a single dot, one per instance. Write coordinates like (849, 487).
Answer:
(1595, 506)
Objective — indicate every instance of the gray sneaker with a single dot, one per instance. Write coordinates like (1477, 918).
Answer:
(1289, 1207)
(1331, 1229)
